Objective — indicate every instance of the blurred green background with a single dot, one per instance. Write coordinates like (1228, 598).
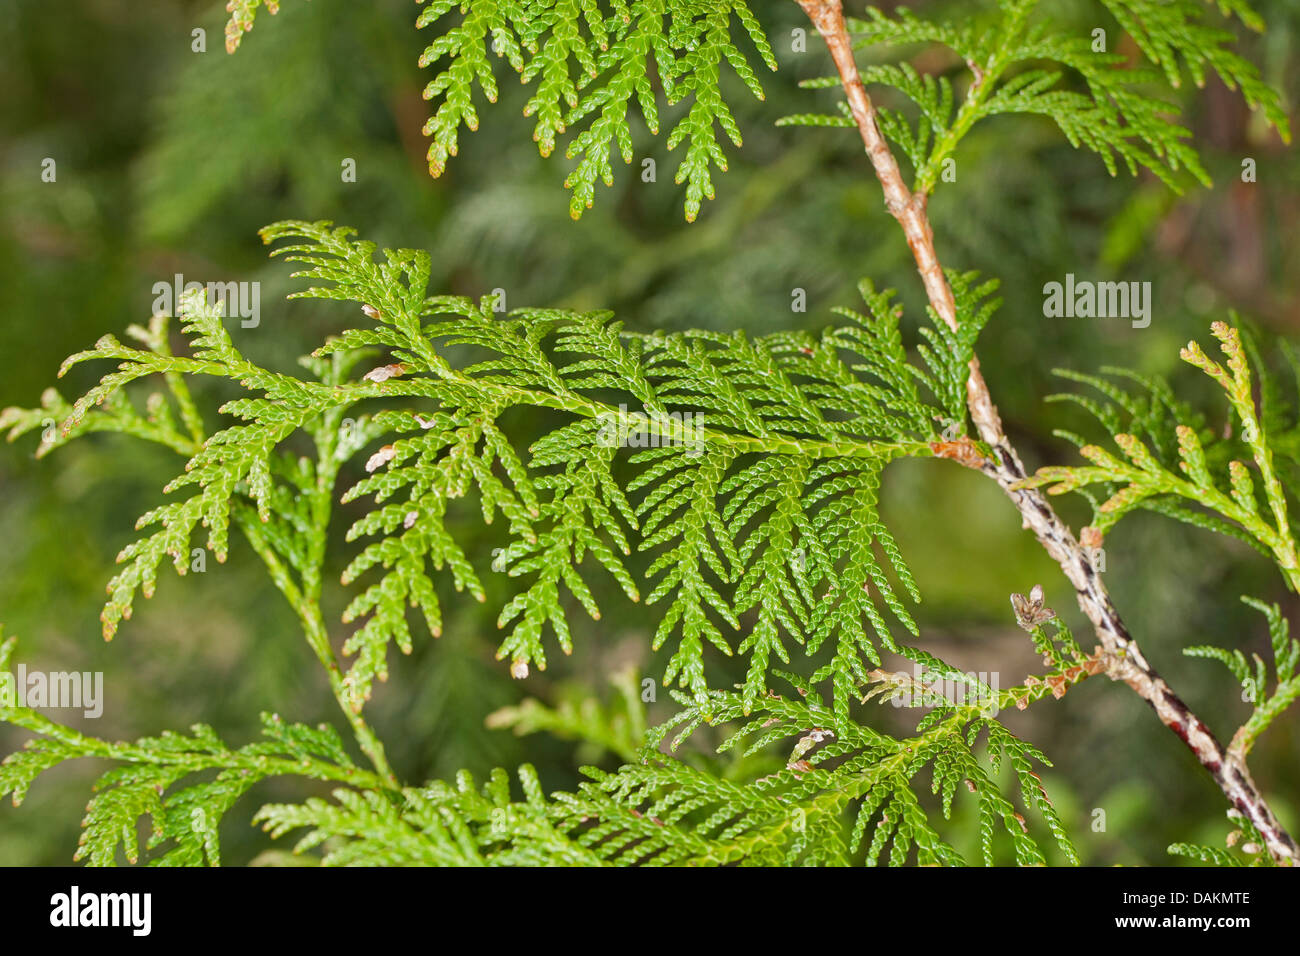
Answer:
(169, 160)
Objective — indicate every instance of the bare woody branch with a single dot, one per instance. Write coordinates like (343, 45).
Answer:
(1124, 658)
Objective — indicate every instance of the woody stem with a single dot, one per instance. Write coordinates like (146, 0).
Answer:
(1125, 658)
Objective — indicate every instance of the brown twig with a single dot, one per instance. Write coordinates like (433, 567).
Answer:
(1123, 656)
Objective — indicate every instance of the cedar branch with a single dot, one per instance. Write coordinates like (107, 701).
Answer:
(1124, 658)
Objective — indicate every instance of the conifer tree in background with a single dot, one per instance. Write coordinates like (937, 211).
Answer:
(746, 470)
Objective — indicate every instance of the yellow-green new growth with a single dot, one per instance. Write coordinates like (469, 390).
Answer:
(1145, 480)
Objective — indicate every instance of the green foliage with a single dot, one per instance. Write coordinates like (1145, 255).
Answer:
(777, 475)
(758, 448)
(157, 780)
(843, 783)
(236, 464)
(589, 59)
(617, 727)
(1179, 467)
(1203, 494)
(1245, 847)
(243, 13)
(1021, 66)
(1267, 707)
(723, 479)
(762, 468)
